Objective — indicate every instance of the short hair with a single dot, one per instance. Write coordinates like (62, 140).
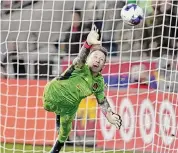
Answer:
(100, 48)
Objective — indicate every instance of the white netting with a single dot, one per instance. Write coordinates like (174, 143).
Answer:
(39, 39)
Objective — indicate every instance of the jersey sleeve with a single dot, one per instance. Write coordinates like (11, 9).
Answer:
(99, 93)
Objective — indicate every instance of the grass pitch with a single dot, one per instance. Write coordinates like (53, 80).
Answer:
(20, 148)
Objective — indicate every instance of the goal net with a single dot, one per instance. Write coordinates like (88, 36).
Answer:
(39, 40)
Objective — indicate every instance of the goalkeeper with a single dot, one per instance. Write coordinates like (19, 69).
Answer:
(83, 78)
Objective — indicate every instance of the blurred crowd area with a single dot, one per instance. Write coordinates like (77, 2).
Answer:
(38, 36)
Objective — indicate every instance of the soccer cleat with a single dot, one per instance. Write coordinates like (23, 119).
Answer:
(57, 122)
(57, 147)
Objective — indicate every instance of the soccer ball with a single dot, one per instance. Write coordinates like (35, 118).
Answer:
(132, 14)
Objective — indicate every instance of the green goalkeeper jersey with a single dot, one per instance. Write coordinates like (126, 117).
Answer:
(86, 84)
(66, 94)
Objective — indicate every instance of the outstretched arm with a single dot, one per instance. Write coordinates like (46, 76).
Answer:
(112, 117)
(92, 39)
(79, 61)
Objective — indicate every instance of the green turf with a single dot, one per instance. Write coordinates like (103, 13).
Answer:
(19, 148)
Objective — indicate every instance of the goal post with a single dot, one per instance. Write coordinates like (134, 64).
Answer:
(39, 40)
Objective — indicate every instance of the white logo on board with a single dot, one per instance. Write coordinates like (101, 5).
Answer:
(167, 120)
(128, 119)
(147, 123)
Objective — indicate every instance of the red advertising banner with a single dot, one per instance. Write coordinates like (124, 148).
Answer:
(23, 119)
(150, 122)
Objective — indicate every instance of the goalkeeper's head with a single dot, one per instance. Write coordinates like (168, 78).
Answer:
(97, 58)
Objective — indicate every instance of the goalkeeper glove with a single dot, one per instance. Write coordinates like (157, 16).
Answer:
(93, 36)
(114, 119)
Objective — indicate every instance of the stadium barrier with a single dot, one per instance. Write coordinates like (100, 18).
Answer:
(148, 118)
(24, 119)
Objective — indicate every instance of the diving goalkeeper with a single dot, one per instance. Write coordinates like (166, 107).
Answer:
(83, 78)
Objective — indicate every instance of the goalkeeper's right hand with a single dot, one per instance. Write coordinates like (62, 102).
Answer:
(93, 36)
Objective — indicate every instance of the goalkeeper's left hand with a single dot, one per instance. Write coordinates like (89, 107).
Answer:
(114, 119)
(93, 36)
